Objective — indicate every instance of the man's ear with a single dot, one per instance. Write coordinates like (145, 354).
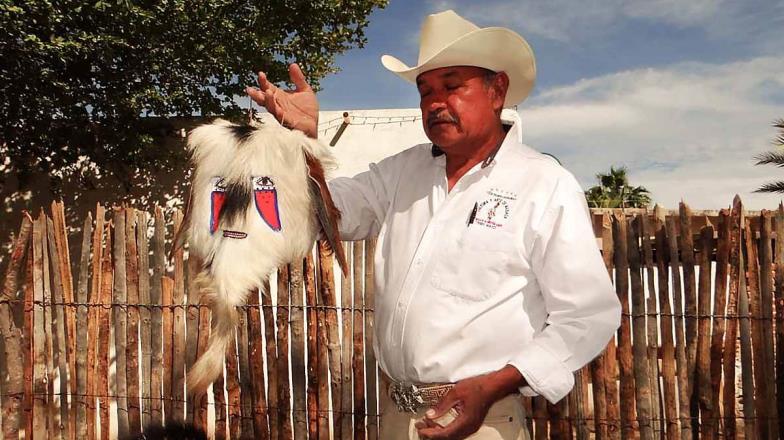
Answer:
(500, 86)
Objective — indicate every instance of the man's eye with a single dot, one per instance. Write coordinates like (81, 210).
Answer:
(423, 93)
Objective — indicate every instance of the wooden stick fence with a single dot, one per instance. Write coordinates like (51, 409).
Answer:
(699, 353)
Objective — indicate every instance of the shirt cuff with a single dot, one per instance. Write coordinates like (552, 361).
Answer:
(545, 374)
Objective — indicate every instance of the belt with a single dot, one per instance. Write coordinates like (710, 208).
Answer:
(411, 398)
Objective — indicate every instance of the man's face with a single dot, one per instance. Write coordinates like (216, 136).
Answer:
(459, 106)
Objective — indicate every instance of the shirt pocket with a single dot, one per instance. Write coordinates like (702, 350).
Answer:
(472, 266)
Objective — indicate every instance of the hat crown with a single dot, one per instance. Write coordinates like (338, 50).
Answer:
(440, 30)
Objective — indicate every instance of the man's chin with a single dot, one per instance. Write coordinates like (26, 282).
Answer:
(443, 135)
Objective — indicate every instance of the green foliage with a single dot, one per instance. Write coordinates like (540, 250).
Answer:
(614, 191)
(80, 81)
(773, 158)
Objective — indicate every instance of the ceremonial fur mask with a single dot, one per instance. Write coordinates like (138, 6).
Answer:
(258, 201)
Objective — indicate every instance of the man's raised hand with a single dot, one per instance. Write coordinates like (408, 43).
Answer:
(296, 109)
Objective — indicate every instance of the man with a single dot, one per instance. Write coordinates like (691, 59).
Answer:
(489, 282)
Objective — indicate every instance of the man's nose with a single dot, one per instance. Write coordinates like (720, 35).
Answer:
(435, 103)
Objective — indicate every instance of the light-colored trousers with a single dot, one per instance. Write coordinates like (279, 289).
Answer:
(504, 421)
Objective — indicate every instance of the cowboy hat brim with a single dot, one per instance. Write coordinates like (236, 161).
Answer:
(510, 54)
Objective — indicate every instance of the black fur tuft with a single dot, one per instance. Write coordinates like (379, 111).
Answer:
(238, 198)
(242, 132)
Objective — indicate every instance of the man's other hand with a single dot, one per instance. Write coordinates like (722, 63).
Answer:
(471, 399)
(296, 109)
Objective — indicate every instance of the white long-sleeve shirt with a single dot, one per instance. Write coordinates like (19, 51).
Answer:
(522, 283)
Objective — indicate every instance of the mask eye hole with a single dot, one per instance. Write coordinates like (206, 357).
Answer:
(266, 198)
(217, 199)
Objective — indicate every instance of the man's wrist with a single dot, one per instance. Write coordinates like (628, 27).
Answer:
(504, 382)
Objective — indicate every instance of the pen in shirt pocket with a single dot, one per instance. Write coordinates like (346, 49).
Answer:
(473, 214)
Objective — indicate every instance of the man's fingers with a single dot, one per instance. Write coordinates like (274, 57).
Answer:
(255, 94)
(447, 402)
(439, 433)
(264, 83)
(298, 78)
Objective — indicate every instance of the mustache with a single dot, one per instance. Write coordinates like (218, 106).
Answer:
(441, 116)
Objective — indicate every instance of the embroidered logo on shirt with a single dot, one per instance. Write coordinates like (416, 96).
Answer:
(492, 213)
(502, 194)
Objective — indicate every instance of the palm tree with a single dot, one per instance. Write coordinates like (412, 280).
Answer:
(774, 158)
(614, 191)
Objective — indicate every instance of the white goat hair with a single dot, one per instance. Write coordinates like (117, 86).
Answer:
(258, 201)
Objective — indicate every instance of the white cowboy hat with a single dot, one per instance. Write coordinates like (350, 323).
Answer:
(448, 39)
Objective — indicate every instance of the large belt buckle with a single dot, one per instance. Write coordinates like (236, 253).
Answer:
(407, 397)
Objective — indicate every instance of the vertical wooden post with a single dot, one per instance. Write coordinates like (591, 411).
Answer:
(657, 423)
(579, 406)
(540, 418)
(371, 369)
(191, 329)
(298, 353)
(256, 354)
(93, 332)
(83, 312)
(233, 390)
(167, 318)
(686, 243)
(120, 315)
(132, 349)
(779, 312)
(219, 396)
(178, 323)
(668, 349)
(610, 354)
(284, 394)
(59, 348)
(719, 309)
(156, 318)
(680, 337)
(201, 401)
(105, 314)
(64, 261)
(312, 329)
(322, 364)
(731, 336)
(53, 422)
(12, 336)
(704, 390)
(246, 387)
(144, 312)
(327, 294)
(559, 423)
(358, 365)
(39, 332)
(625, 332)
(757, 333)
(766, 320)
(750, 425)
(346, 393)
(642, 385)
(30, 333)
(272, 360)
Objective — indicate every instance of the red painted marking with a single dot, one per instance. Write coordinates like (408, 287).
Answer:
(218, 197)
(267, 205)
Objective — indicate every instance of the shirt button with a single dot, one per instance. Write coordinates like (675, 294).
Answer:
(418, 262)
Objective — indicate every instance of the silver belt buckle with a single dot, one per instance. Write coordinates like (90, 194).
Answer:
(407, 397)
